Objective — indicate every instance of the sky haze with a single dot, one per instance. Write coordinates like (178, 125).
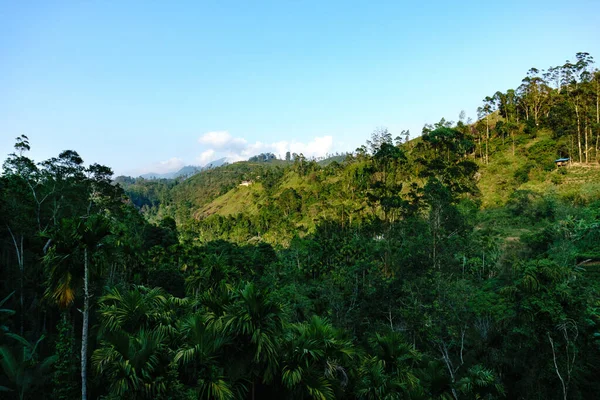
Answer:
(152, 86)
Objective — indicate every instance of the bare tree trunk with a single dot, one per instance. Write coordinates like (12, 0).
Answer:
(38, 202)
(562, 381)
(487, 138)
(22, 269)
(578, 133)
(512, 135)
(20, 261)
(446, 357)
(597, 102)
(84, 332)
(597, 116)
(585, 130)
(571, 153)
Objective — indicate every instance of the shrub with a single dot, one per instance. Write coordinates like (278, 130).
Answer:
(556, 179)
(543, 153)
(521, 175)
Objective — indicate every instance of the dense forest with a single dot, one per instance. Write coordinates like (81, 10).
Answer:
(461, 264)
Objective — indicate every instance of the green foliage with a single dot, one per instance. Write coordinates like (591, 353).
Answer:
(390, 372)
(543, 153)
(316, 360)
(133, 356)
(64, 379)
(22, 366)
(460, 264)
(521, 175)
(133, 365)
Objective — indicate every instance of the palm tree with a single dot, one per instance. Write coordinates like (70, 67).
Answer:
(480, 383)
(138, 332)
(434, 382)
(136, 366)
(128, 310)
(388, 373)
(202, 354)
(375, 383)
(22, 366)
(75, 244)
(211, 274)
(63, 261)
(255, 322)
(315, 358)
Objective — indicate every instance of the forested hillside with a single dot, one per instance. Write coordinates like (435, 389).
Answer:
(461, 264)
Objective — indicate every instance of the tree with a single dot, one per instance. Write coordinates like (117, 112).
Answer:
(484, 112)
(133, 364)
(137, 327)
(290, 202)
(70, 264)
(255, 322)
(23, 367)
(388, 371)
(378, 138)
(65, 370)
(202, 353)
(315, 360)
(130, 310)
(534, 94)
(577, 77)
(385, 191)
(20, 176)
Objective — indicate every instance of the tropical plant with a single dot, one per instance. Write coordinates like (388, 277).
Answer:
(135, 366)
(202, 355)
(389, 372)
(255, 322)
(22, 366)
(316, 358)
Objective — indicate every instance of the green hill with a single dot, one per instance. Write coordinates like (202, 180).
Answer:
(460, 265)
(304, 192)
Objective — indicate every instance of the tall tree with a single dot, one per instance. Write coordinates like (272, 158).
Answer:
(255, 322)
(485, 111)
(534, 94)
(70, 259)
(20, 176)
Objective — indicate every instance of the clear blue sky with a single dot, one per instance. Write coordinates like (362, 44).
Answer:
(133, 84)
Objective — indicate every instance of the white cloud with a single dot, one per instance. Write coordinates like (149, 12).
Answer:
(206, 156)
(318, 147)
(171, 165)
(223, 144)
(222, 140)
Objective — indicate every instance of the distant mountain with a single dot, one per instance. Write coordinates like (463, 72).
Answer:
(186, 171)
(152, 175)
(216, 163)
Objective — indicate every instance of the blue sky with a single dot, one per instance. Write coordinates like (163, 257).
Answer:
(154, 85)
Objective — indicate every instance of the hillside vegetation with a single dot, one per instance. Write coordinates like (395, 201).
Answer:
(462, 264)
